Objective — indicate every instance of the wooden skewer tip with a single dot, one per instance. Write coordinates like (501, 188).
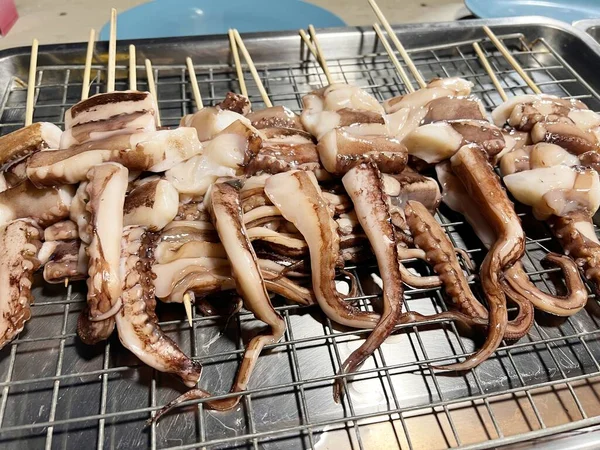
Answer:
(187, 304)
(194, 82)
(511, 60)
(112, 51)
(31, 83)
(252, 67)
(85, 87)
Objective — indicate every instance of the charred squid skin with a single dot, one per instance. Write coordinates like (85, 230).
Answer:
(480, 181)
(137, 323)
(431, 238)
(20, 243)
(365, 187)
(581, 246)
(312, 216)
(224, 205)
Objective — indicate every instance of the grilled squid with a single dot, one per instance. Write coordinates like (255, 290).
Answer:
(226, 213)
(20, 242)
(311, 215)
(46, 205)
(365, 187)
(106, 189)
(137, 323)
(151, 151)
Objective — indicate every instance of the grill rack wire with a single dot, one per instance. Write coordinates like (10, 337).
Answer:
(103, 396)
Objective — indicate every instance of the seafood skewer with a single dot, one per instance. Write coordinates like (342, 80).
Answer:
(539, 175)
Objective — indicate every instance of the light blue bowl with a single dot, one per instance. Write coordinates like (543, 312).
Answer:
(565, 10)
(167, 18)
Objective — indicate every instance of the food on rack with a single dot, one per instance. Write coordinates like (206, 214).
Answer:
(24, 142)
(311, 215)
(155, 151)
(516, 283)
(350, 126)
(210, 121)
(152, 204)
(283, 149)
(364, 185)
(62, 254)
(470, 165)
(223, 205)
(137, 323)
(275, 117)
(106, 190)
(47, 205)
(20, 243)
(109, 114)
(557, 176)
(216, 216)
(223, 156)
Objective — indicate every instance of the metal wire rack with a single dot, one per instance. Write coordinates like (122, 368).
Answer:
(58, 393)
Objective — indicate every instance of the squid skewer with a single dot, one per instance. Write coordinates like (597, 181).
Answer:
(496, 260)
(580, 245)
(33, 137)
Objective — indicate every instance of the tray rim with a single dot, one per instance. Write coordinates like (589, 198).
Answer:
(576, 29)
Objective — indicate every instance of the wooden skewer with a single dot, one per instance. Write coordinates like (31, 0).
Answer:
(31, 83)
(401, 72)
(320, 56)
(488, 68)
(238, 64)
(132, 69)
(152, 88)
(89, 54)
(252, 67)
(194, 83)
(112, 52)
(511, 60)
(187, 304)
(405, 56)
(309, 44)
(67, 282)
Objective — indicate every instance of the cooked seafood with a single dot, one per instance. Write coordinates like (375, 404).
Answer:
(106, 189)
(311, 215)
(103, 115)
(22, 143)
(153, 151)
(365, 187)
(18, 261)
(137, 323)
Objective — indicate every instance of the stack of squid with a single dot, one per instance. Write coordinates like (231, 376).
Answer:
(554, 169)
(236, 205)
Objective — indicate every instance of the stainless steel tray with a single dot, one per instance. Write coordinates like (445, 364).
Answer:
(58, 393)
(590, 26)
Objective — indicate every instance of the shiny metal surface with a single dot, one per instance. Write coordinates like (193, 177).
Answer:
(58, 393)
(590, 26)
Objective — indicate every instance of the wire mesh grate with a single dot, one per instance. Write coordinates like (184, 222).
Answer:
(56, 392)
